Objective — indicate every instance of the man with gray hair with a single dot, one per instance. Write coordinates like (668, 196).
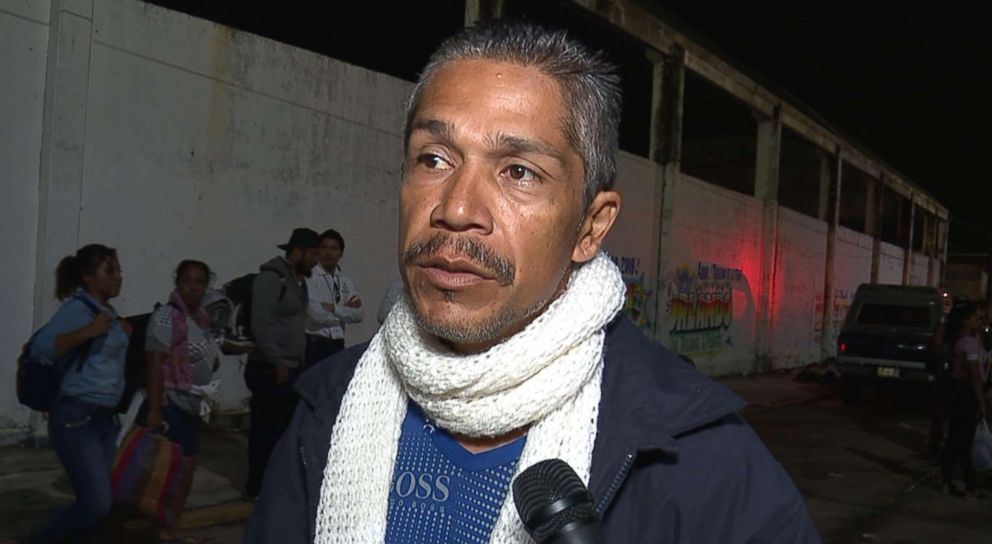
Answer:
(508, 346)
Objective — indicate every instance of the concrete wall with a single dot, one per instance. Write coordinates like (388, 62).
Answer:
(24, 31)
(632, 243)
(711, 272)
(798, 287)
(170, 137)
(890, 264)
(218, 143)
(852, 268)
(919, 266)
(186, 139)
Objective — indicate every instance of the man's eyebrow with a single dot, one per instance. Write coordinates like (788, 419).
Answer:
(434, 127)
(500, 141)
(517, 144)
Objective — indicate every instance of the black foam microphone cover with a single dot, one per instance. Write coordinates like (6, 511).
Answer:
(555, 506)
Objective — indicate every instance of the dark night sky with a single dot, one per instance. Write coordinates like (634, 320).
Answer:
(907, 81)
(911, 82)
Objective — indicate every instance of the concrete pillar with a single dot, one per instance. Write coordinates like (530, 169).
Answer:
(827, 339)
(942, 236)
(874, 214)
(907, 262)
(476, 10)
(823, 212)
(930, 247)
(766, 191)
(60, 179)
(667, 100)
(60, 189)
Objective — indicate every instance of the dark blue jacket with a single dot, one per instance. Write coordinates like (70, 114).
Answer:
(673, 462)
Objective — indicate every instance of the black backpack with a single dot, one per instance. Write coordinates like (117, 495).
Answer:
(135, 365)
(38, 384)
(239, 291)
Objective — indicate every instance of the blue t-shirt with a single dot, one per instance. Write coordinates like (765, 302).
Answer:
(442, 492)
(100, 379)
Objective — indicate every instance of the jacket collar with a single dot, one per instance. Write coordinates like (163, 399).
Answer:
(320, 270)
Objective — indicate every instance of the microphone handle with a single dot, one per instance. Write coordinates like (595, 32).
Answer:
(586, 533)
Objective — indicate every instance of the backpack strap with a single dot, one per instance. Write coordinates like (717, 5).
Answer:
(282, 285)
(83, 352)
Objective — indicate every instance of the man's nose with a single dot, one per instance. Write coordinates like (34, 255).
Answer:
(466, 200)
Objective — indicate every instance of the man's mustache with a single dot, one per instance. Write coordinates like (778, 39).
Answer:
(482, 255)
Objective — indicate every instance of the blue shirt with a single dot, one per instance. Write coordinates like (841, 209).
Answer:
(100, 380)
(442, 492)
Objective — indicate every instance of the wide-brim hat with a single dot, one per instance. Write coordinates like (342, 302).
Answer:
(303, 238)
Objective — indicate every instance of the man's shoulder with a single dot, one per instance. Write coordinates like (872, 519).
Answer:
(276, 266)
(329, 379)
(642, 376)
(657, 401)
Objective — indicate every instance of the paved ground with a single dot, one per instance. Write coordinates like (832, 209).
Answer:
(33, 484)
(860, 468)
(863, 474)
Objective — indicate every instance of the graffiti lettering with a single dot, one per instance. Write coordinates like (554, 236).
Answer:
(638, 294)
(700, 307)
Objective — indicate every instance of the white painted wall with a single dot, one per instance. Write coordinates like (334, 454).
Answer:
(633, 242)
(799, 277)
(852, 258)
(712, 275)
(204, 142)
(170, 137)
(890, 264)
(212, 143)
(919, 266)
(23, 46)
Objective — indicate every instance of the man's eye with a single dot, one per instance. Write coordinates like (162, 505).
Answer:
(432, 161)
(517, 172)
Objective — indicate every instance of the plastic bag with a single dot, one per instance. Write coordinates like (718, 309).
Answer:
(981, 447)
(148, 474)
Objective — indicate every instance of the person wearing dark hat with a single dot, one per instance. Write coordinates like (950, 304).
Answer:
(278, 322)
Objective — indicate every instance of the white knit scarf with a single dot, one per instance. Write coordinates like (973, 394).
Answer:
(547, 376)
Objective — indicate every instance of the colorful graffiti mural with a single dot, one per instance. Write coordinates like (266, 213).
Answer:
(637, 304)
(701, 307)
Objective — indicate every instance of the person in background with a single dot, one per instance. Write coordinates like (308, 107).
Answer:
(940, 362)
(966, 403)
(278, 323)
(181, 356)
(334, 301)
(82, 425)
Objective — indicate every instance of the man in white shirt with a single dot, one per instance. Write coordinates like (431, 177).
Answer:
(333, 301)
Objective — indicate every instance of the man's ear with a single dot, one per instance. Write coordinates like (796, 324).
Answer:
(599, 218)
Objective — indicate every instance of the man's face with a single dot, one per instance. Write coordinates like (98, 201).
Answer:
(304, 259)
(491, 202)
(310, 257)
(330, 254)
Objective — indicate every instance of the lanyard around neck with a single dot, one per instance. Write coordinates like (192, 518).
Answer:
(335, 289)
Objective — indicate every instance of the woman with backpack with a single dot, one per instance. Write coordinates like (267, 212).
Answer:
(88, 341)
(966, 404)
(181, 355)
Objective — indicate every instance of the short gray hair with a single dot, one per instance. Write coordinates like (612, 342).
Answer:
(590, 86)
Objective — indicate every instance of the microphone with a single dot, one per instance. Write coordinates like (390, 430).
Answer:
(555, 506)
